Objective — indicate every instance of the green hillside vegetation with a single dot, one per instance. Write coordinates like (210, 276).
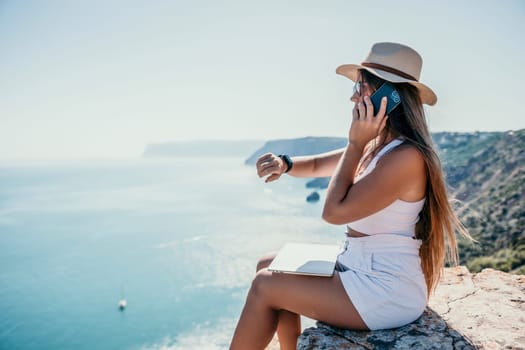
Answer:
(487, 175)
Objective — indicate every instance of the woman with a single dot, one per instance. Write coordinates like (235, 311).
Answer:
(387, 187)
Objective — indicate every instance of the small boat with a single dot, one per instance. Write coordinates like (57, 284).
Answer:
(122, 304)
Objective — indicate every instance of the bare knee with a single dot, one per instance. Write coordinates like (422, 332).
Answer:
(265, 261)
(261, 284)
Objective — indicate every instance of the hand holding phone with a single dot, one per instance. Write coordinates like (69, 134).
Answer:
(393, 99)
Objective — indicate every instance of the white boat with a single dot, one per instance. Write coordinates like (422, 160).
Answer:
(122, 304)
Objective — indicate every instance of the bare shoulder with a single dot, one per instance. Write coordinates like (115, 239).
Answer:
(407, 158)
(405, 169)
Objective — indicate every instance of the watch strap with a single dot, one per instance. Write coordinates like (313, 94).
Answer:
(287, 160)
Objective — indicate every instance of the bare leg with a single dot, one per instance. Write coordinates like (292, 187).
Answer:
(319, 298)
(288, 323)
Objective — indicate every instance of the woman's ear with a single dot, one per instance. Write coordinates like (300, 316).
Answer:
(386, 129)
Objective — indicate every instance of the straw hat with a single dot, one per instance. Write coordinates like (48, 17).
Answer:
(395, 63)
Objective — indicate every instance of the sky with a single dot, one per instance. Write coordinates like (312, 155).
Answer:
(101, 79)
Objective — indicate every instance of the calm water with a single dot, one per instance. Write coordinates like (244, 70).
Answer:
(178, 238)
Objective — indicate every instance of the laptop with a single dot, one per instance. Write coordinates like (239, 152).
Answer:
(306, 259)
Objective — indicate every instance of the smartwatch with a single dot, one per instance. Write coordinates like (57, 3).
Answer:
(286, 158)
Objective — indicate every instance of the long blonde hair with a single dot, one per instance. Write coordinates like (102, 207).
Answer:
(438, 223)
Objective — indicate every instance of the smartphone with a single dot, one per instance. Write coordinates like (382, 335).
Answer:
(393, 99)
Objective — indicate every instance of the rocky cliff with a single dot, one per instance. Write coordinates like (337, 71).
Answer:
(490, 183)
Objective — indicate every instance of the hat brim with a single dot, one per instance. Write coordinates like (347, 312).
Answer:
(350, 71)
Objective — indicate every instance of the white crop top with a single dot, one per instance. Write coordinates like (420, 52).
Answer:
(399, 218)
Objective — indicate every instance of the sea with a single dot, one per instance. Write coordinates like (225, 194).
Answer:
(177, 238)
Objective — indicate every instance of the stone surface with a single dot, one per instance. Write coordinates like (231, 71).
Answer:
(467, 311)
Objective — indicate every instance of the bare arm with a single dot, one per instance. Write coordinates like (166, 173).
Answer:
(318, 165)
(365, 126)
(400, 174)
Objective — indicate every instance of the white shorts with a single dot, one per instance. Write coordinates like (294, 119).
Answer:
(382, 275)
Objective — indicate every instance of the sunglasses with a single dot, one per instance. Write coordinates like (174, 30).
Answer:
(358, 87)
